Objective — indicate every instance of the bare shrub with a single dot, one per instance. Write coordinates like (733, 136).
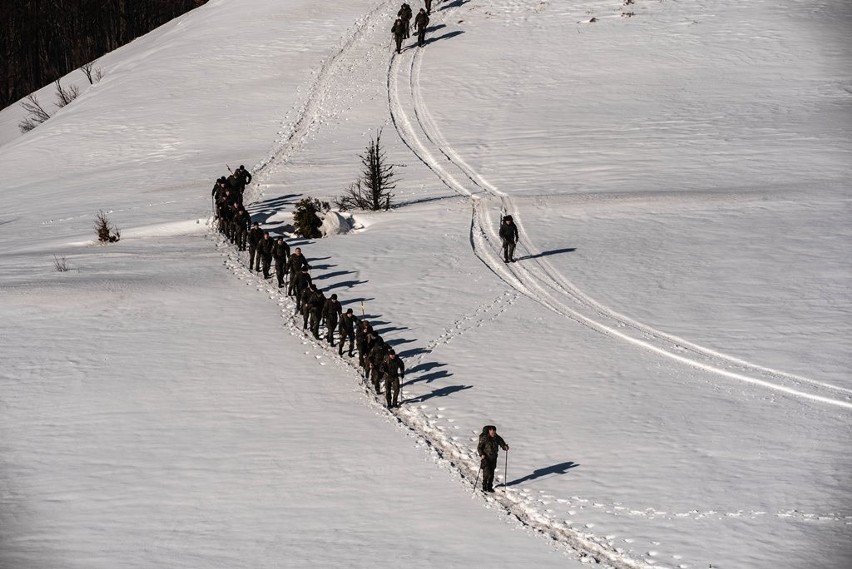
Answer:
(60, 264)
(36, 114)
(65, 96)
(93, 74)
(107, 232)
(372, 190)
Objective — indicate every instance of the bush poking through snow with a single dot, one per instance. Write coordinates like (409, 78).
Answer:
(107, 232)
(36, 114)
(60, 264)
(93, 74)
(65, 96)
(306, 217)
(372, 190)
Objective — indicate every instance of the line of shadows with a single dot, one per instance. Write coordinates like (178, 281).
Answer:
(344, 284)
(446, 36)
(332, 275)
(413, 352)
(430, 377)
(454, 4)
(442, 392)
(547, 253)
(561, 468)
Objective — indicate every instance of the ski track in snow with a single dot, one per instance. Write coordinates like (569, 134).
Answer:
(535, 279)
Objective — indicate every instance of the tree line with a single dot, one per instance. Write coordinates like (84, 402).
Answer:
(42, 40)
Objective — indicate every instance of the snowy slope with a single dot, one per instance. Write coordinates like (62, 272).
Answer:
(668, 359)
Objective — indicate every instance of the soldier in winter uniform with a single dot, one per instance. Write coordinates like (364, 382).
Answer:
(316, 302)
(376, 358)
(394, 371)
(420, 24)
(243, 176)
(362, 333)
(242, 222)
(398, 31)
(489, 444)
(280, 252)
(254, 237)
(303, 283)
(405, 14)
(296, 264)
(330, 314)
(509, 236)
(346, 329)
(264, 249)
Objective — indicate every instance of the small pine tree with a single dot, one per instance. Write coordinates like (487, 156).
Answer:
(372, 190)
(107, 232)
(306, 220)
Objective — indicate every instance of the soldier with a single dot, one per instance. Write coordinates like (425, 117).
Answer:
(303, 298)
(420, 24)
(346, 329)
(376, 358)
(264, 249)
(489, 441)
(243, 179)
(398, 31)
(243, 220)
(370, 341)
(509, 236)
(303, 282)
(394, 371)
(361, 334)
(280, 252)
(235, 212)
(330, 314)
(405, 15)
(254, 237)
(296, 263)
(315, 307)
(224, 208)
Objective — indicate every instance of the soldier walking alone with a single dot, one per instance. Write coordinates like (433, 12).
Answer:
(488, 448)
(509, 236)
(420, 23)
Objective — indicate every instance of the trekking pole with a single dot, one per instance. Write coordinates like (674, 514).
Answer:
(362, 309)
(506, 470)
(475, 480)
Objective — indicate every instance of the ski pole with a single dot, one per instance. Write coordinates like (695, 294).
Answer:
(506, 470)
(475, 480)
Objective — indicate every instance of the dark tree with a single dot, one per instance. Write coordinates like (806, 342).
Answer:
(42, 40)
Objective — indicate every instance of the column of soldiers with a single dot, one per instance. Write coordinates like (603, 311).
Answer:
(377, 360)
(401, 28)
(232, 218)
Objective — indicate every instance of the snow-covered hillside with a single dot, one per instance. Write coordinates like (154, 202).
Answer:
(668, 359)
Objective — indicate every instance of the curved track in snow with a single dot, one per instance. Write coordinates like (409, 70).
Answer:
(535, 277)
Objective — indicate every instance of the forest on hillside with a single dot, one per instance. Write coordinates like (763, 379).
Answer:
(42, 40)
